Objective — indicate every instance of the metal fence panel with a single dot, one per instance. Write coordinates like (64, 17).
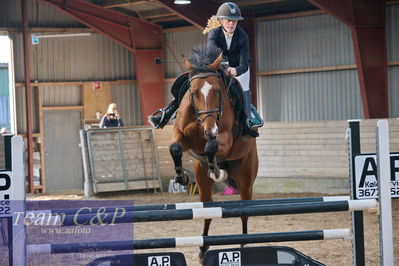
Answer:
(122, 159)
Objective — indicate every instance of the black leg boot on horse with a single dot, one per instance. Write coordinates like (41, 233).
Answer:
(177, 152)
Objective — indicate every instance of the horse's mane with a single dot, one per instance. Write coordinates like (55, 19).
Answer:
(201, 57)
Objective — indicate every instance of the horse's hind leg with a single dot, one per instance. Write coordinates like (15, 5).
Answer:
(205, 194)
(177, 153)
(247, 170)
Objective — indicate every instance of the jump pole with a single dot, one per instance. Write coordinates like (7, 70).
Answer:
(209, 213)
(188, 241)
(190, 205)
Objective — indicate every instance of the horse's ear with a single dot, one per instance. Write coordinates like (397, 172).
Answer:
(187, 64)
(216, 63)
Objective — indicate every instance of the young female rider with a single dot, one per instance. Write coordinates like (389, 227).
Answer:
(234, 42)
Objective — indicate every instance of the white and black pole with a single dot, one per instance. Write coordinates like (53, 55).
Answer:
(353, 135)
(12, 195)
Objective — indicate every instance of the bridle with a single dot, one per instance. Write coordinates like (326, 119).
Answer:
(216, 113)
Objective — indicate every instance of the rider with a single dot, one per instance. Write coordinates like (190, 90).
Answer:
(234, 43)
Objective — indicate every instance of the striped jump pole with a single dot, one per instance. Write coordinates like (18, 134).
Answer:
(209, 213)
(188, 241)
(188, 205)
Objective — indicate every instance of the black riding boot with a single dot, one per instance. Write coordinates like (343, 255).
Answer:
(161, 117)
(248, 129)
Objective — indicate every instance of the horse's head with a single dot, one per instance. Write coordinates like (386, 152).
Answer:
(205, 89)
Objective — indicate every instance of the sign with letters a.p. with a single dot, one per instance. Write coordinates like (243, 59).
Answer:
(366, 176)
(159, 261)
(230, 258)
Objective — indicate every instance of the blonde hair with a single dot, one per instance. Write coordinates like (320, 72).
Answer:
(111, 108)
(213, 22)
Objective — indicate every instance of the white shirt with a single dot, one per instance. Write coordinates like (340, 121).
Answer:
(228, 37)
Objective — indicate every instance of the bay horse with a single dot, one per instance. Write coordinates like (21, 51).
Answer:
(206, 126)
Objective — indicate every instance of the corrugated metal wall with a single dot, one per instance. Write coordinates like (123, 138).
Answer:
(61, 95)
(310, 41)
(80, 58)
(393, 55)
(39, 15)
(128, 99)
(20, 103)
(392, 16)
(305, 42)
(311, 96)
(178, 45)
(4, 97)
(315, 41)
(393, 82)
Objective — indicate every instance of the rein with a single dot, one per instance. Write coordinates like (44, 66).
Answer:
(210, 112)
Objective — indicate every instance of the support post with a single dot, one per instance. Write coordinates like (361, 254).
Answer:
(28, 96)
(384, 192)
(357, 216)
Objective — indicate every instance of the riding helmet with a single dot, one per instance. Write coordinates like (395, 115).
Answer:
(229, 11)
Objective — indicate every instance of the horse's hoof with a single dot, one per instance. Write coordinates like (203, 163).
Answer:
(182, 179)
(201, 254)
(201, 258)
(218, 176)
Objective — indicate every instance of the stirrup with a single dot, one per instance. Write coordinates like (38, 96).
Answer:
(161, 123)
(255, 121)
(250, 130)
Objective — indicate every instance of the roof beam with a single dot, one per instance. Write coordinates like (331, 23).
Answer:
(120, 3)
(259, 2)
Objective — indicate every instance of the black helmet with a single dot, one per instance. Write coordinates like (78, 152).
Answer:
(230, 11)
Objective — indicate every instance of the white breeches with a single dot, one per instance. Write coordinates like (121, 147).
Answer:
(244, 80)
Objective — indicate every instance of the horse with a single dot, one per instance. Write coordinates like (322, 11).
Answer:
(207, 126)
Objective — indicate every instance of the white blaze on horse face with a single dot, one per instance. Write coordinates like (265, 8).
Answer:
(205, 90)
(214, 130)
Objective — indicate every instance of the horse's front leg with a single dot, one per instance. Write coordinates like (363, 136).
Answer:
(176, 150)
(216, 174)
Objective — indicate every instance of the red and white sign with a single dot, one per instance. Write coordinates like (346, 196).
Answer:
(97, 85)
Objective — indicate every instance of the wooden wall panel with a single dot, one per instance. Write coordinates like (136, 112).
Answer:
(95, 100)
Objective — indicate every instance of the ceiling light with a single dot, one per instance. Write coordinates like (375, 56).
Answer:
(182, 2)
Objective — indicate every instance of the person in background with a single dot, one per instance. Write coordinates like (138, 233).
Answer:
(111, 118)
(4, 131)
